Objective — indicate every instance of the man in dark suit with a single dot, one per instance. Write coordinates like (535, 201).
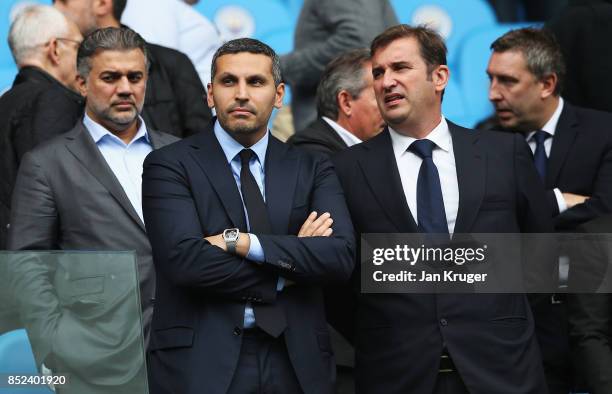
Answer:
(81, 191)
(41, 104)
(590, 315)
(572, 150)
(239, 306)
(348, 113)
(426, 174)
(175, 99)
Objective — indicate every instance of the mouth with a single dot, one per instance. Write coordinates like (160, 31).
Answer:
(393, 99)
(241, 111)
(122, 105)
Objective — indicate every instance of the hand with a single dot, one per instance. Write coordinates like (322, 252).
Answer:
(573, 199)
(217, 240)
(316, 226)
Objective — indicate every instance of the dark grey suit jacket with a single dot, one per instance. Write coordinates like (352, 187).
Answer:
(66, 197)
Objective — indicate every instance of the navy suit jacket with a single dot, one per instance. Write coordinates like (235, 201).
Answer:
(189, 193)
(399, 337)
(581, 162)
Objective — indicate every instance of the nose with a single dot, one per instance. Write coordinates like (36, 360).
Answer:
(241, 91)
(388, 81)
(494, 93)
(124, 87)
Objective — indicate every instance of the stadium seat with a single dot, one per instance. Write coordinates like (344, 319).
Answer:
(453, 105)
(246, 18)
(16, 357)
(294, 7)
(472, 64)
(453, 19)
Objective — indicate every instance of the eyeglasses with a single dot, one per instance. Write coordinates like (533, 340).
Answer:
(77, 42)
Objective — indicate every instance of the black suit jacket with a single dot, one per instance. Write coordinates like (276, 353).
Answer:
(581, 162)
(399, 338)
(319, 136)
(189, 192)
(590, 315)
(175, 99)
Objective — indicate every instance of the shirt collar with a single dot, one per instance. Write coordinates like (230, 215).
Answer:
(440, 136)
(231, 147)
(349, 138)
(551, 125)
(97, 131)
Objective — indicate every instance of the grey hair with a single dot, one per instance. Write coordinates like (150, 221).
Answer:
(33, 27)
(541, 50)
(108, 39)
(249, 45)
(346, 72)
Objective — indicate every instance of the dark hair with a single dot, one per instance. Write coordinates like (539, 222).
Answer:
(540, 49)
(249, 45)
(108, 39)
(345, 72)
(431, 44)
(118, 7)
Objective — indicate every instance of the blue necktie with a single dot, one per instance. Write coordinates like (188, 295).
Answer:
(430, 204)
(539, 155)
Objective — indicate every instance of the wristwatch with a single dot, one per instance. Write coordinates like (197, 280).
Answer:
(230, 236)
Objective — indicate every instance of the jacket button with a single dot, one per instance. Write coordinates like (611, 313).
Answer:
(237, 331)
(444, 322)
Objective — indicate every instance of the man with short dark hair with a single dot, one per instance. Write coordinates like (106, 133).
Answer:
(81, 191)
(347, 109)
(572, 150)
(424, 174)
(240, 225)
(175, 99)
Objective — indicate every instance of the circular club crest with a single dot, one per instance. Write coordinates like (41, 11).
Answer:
(234, 22)
(435, 17)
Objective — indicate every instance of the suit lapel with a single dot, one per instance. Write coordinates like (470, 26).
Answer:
(281, 177)
(380, 169)
(565, 134)
(207, 152)
(83, 147)
(471, 175)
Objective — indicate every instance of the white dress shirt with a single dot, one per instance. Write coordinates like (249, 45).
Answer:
(349, 138)
(550, 128)
(125, 160)
(409, 164)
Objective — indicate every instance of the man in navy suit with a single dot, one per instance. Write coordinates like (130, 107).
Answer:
(426, 174)
(242, 241)
(572, 149)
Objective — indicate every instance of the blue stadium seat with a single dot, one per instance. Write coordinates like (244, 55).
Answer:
(453, 19)
(453, 106)
(247, 18)
(16, 357)
(294, 7)
(472, 64)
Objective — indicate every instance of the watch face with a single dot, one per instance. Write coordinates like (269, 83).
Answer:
(231, 234)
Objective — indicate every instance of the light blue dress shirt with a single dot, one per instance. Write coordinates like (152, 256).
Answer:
(231, 148)
(125, 160)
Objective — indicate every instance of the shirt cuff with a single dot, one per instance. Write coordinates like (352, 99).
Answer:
(560, 200)
(256, 252)
(280, 284)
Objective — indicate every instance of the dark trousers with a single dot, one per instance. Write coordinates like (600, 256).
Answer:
(450, 383)
(264, 366)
